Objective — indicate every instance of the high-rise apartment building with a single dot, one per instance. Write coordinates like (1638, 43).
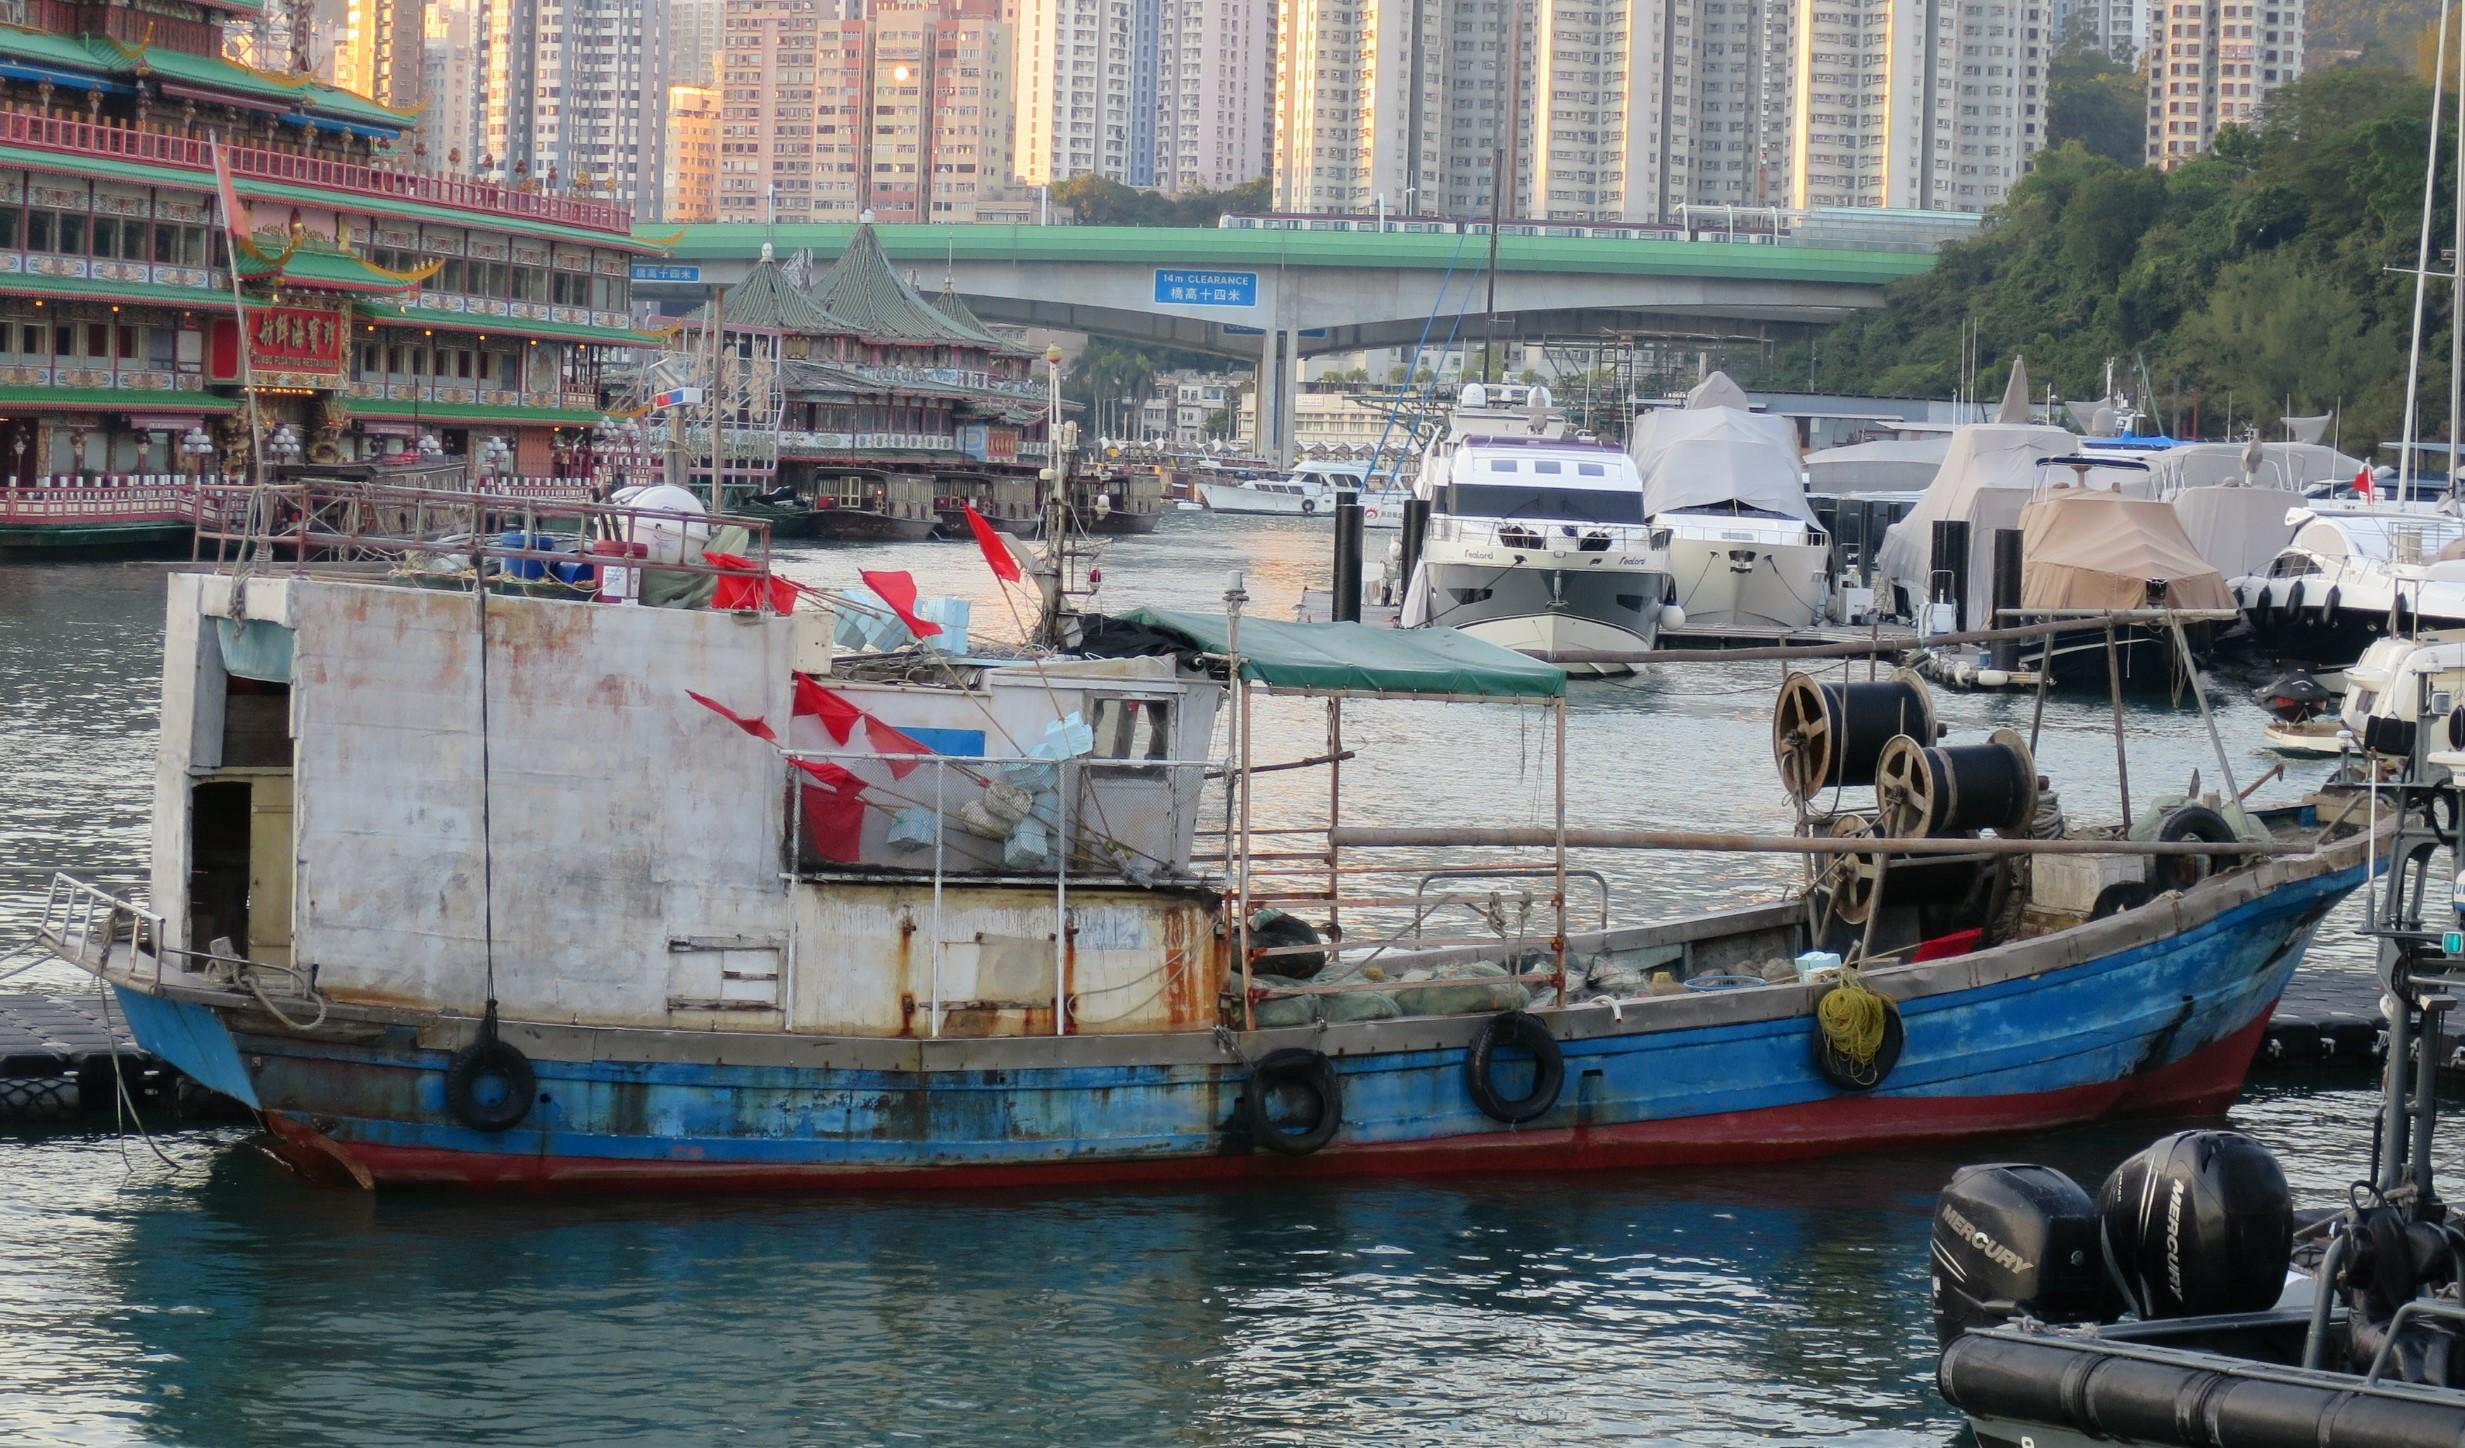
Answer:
(448, 116)
(574, 94)
(1634, 111)
(2210, 64)
(2117, 28)
(379, 50)
(1165, 93)
(696, 29)
(905, 114)
(691, 190)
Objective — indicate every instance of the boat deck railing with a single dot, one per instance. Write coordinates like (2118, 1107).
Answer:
(303, 526)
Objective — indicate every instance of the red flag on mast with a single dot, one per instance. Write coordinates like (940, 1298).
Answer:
(830, 706)
(2362, 484)
(899, 591)
(997, 554)
(236, 219)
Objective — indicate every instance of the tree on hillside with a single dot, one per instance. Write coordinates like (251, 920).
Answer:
(2269, 270)
(2096, 100)
(1100, 201)
(2382, 31)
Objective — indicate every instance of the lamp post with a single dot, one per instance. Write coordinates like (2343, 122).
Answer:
(196, 452)
(496, 457)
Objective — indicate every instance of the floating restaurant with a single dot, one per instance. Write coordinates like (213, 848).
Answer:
(382, 317)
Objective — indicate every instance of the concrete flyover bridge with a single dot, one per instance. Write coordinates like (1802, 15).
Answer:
(1272, 296)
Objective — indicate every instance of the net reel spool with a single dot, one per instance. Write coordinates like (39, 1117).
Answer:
(1859, 884)
(1826, 736)
(1956, 789)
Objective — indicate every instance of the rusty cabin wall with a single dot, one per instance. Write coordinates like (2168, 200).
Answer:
(622, 814)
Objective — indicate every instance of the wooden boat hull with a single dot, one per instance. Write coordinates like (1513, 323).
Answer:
(1120, 522)
(2158, 1009)
(850, 525)
(63, 542)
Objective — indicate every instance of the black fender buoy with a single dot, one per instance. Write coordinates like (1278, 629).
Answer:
(485, 1063)
(2293, 598)
(1312, 1072)
(2190, 822)
(1514, 1028)
(2328, 605)
(1309, 505)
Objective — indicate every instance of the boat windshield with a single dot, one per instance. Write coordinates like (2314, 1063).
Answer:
(1571, 505)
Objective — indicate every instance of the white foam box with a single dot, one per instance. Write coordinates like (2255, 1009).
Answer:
(2070, 884)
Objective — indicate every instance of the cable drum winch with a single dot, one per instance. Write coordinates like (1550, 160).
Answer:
(1859, 884)
(1956, 789)
(1826, 736)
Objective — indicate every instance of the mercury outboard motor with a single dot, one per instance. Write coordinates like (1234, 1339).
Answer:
(2012, 1240)
(2198, 1222)
(2295, 698)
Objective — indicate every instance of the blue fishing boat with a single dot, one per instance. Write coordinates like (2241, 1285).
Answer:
(494, 888)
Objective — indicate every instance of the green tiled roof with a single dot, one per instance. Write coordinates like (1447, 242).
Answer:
(767, 299)
(70, 164)
(161, 294)
(395, 314)
(950, 304)
(317, 263)
(870, 300)
(473, 412)
(114, 399)
(103, 56)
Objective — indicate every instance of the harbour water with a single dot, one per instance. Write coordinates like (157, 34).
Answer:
(212, 1300)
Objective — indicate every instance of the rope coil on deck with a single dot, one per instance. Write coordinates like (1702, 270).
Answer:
(1857, 1036)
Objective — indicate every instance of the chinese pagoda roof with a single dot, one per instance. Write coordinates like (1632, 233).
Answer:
(766, 299)
(950, 304)
(871, 300)
(100, 62)
(321, 265)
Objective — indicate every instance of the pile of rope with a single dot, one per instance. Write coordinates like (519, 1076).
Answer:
(1853, 1016)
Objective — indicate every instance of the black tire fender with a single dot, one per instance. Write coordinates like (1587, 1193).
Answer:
(1294, 1066)
(1842, 1073)
(2190, 822)
(1309, 506)
(1515, 1028)
(486, 1057)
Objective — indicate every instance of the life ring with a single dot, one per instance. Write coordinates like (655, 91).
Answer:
(1514, 1028)
(1309, 506)
(1847, 1074)
(2190, 822)
(1294, 1066)
(489, 1059)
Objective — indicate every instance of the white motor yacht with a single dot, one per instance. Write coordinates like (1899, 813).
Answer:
(1728, 486)
(1538, 543)
(1310, 491)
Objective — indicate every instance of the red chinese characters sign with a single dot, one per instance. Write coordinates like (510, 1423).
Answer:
(287, 347)
(295, 339)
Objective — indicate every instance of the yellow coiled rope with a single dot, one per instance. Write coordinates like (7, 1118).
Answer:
(1853, 1016)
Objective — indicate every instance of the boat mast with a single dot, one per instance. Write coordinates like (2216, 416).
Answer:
(1052, 578)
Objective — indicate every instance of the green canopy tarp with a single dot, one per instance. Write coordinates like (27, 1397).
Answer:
(1357, 658)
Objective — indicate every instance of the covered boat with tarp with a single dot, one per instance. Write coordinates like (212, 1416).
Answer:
(1726, 484)
(1937, 575)
(2088, 549)
(731, 908)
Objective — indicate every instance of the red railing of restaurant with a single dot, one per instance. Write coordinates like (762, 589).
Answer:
(169, 499)
(56, 133)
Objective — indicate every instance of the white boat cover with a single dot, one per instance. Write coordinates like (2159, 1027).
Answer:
(2286, 465)
(1890, 466)
(2093, 549)
(1714, 451)
(1986, 477)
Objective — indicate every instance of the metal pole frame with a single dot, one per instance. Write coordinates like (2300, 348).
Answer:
(1061, 898)
(1559, 946)
(1249, 1013)
(2114, 689)
(1335, 804)
(941, 774)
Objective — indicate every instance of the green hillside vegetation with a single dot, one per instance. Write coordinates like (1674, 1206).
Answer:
(2256, 275)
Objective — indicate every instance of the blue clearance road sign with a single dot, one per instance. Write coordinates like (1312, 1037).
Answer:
(666, 271)
(1178, 288)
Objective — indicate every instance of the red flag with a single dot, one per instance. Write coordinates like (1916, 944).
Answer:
(754, 727)
(236, 219)
(830, 706)
(891, 742)
(2362, 484)
(997, 554)
(833, 811)
(743, 594)
(899, 591)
